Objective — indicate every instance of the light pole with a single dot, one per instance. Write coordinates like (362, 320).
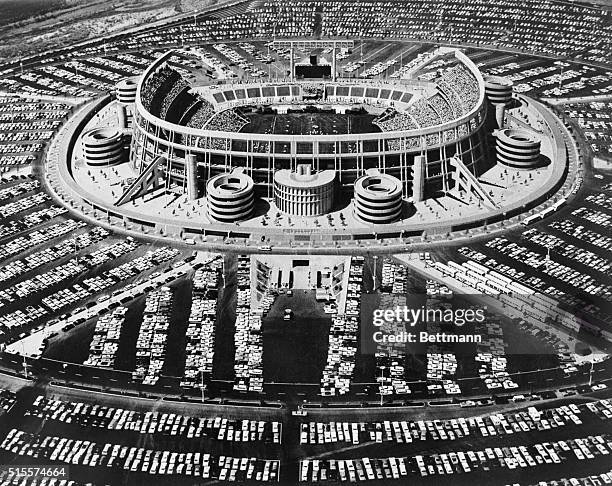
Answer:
(374, 273)
(202, 386)
(25, 363)
(382, 377)
(25, 367)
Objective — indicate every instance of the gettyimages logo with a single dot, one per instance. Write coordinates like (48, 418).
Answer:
(415, 322)
(412, 317)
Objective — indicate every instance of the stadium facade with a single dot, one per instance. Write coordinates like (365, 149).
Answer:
(422, 125)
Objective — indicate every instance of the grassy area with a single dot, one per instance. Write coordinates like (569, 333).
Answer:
(309, 123)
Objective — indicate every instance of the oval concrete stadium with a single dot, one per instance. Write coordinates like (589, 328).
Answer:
(441, 121)
(73, 193)
(206, 307)
(432, 135)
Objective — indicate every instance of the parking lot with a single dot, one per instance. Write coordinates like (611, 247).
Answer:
(152, 364)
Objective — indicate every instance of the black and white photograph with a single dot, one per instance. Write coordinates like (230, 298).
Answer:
(299, 242)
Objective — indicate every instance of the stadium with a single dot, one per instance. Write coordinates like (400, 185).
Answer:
(372, 153)
(315, 241)
(211, 127)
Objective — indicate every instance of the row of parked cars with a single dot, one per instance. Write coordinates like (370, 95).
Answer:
(17, 148)
(600, 199)
(552, 268)
(53, 80)
(30, 125)
(104, 281)
(497, 424)
(71, 269)
(390, 357)
(31, 116)
(540, 288)
(571, 228)
(601, 408)
(562, 248)
(151, 345)
(10, 162)
(592, 480)
(393, 277)
(43, 85)
(27, 136)
(48, 75)
(12, 104)
(594, 216)
(30, 220)
(538, 309)
(237, 59)
(106, 64)
(36, 237)
(48, 255)
(257, 54)
(105, 342)
(77, 292)
(338, 371)
(441, 360)
(94, 71)
(200, 333)
(7, 400)
(18, 189)
(155, 422)
(379, 68)
(594, 121)
(24, 204)
(138, 459)
(491, 356)
(248, 338)
(450, 463)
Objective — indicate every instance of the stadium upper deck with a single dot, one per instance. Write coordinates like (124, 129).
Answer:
(440, 119)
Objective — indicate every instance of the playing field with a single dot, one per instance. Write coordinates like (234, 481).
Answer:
(310, 124)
